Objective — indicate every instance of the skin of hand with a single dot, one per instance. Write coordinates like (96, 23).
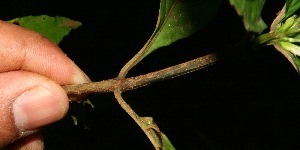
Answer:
(32, 70)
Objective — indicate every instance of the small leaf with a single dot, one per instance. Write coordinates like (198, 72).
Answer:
(292, 48)
(88, 102)
(167, 145)
(293, 59)
(53, 28)
(250, 10)
(291, 7)
(74, 120)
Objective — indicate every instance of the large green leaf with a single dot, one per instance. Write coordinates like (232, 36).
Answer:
(250, 10)
(179, 19)
(53, 28)
(291, 7)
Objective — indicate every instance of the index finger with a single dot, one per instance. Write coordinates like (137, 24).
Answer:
(22, 49)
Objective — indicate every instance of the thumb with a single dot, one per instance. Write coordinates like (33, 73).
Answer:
(28, 101)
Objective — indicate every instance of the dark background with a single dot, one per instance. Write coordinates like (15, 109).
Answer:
(250, 103)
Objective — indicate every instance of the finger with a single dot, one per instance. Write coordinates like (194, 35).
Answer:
(34, 141)
(22, 49)
(28, 101)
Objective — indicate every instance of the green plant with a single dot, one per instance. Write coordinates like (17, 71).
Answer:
(180, 19)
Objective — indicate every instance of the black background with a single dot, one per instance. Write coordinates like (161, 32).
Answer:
(250, 103)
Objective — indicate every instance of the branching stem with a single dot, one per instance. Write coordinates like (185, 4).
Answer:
(126, 84)
(150, 133)
(121, 84)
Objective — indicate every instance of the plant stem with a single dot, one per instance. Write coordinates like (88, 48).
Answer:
(133, 61)
(151, 130)
(120, 84)
(265, 38)
(142, 80)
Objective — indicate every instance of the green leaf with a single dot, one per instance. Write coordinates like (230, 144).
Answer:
(296, 61)
(167, 145)
(53, 28)
(250, 10)
(293, 59)
(88, 102)
(291, 7)
(179, 19)
(74, 118)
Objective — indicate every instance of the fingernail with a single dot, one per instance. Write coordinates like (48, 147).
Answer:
(35, 108)
(81, 77)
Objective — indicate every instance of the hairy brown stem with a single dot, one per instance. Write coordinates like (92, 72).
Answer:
(121, 84)
(147, 128)
(142, 80)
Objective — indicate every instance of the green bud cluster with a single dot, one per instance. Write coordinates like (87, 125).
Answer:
(286, 35)
(282, 28)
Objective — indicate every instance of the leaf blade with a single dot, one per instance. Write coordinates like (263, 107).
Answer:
(53, 28)
(250, 10)
(291, 7)
(167, 145)
(179, 19)
(156, 40)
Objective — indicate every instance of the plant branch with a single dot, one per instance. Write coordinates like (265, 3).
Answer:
(126, 84)
(133, 61)
(145, 123)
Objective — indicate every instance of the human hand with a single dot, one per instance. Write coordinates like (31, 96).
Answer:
(32, 70)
